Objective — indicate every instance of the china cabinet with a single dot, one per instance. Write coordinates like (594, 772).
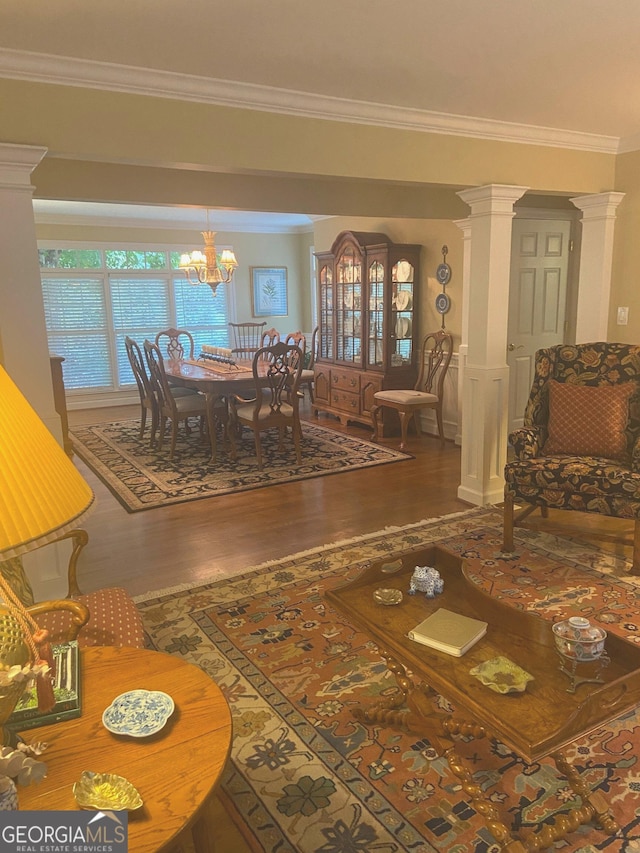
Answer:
(367, 308)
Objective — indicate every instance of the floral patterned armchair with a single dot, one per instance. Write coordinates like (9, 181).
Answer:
(558, 462)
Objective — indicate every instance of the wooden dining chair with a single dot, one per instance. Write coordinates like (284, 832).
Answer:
(170, 407)
(307, 375)
(435, 356)
(275, 405)
(246, 338)
(148, 396)
(148, 399)
(175, 347)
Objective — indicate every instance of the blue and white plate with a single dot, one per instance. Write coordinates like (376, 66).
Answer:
(138, 713)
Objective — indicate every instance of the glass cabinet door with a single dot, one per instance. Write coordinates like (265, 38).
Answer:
(375, 349)
(326, 311)
(348, 308)
(402, 319)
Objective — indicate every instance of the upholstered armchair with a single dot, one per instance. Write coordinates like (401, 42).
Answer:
(579, 447)
(106, 617)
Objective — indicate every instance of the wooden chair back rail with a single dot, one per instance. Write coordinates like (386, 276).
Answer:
(298, 339)
(246, 337)
(175, 347)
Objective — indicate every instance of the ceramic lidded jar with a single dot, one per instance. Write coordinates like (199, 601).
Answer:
(578, 639)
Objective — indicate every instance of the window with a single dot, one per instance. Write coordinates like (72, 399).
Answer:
(94, 298)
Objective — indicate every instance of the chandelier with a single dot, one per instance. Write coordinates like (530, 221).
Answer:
(205, 267)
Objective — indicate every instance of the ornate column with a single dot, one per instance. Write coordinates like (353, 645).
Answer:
(486, 374)
(596, 253)
(23, 335)
(24, 349)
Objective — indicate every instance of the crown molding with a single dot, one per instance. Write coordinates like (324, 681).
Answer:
(83, 73)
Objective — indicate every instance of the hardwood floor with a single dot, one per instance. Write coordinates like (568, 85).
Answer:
(226, 535)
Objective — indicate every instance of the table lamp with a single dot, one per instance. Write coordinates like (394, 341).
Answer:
(41, 496)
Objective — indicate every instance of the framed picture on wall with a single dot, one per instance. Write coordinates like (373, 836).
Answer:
(269, 291)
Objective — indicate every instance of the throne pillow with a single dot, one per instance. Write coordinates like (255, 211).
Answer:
(588, 420)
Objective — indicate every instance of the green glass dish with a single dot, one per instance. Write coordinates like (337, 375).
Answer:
(502, 675)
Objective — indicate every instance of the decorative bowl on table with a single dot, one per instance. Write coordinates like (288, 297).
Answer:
(138, 713)
(106, 792)
(502, 675)
(577, 639)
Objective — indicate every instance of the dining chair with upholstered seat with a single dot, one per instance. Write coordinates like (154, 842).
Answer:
(308, 373)
(170, 407)
(148, 396)
(148, 401)
(276, 374)
(427, 393)
(179, 343)
(246, 338)
(106, 617)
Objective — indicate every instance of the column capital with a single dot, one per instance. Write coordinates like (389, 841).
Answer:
(17, 162)
(492, 198)
(465, 226)
(598, 205)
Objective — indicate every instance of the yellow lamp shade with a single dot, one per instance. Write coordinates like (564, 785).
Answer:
(42, 494)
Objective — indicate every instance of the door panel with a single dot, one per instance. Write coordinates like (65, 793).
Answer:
(537, 301)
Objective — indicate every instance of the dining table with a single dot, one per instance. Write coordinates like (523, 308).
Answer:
(217, 381)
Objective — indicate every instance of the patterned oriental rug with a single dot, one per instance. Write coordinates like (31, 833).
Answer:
(305, 776)
(142, 478)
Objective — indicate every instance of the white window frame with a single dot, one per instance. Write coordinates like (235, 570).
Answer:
(90, 398)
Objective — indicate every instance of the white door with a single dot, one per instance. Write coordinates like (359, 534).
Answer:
(537, 301)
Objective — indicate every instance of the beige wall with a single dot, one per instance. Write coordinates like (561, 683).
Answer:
(91, 125)
(625, 280)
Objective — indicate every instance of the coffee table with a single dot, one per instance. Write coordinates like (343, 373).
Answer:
(176, 770)
(540, 722)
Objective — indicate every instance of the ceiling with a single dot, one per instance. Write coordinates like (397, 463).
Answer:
(567, 66)
(155, 216)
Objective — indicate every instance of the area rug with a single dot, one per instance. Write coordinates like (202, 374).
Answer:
(142, 478)
(305, 776)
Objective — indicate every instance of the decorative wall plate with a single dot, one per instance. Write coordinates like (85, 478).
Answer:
(443, 273)
(138, 713)
(443, 303)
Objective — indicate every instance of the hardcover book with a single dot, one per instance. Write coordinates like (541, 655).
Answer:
(66, 689)
(448, 632)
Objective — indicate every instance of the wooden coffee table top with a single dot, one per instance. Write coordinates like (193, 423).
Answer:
(175, 770)
(535, 723)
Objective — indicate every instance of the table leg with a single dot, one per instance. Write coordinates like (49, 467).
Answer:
(211, 422)
(411, 710)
